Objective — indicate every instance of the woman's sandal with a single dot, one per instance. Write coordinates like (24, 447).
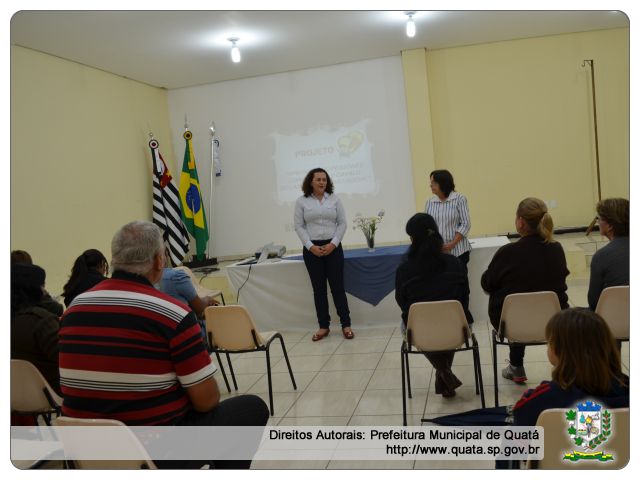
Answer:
(319, 335)
(348, 334)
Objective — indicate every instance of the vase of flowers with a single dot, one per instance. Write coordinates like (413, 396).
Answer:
(368, 225)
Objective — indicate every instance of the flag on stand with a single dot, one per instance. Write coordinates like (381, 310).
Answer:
(191, 198)
(166, 207)
(215, 148)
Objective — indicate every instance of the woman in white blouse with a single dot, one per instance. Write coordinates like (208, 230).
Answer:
(451, 213)
(320, 223)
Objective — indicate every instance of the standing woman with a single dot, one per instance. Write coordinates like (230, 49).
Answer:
(451, 213)
(320, 223)
(534, 263)
(88, 270)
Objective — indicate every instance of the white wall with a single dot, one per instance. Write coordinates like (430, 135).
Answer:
(312, 106)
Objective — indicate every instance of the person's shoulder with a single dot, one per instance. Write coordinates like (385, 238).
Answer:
(37, 312)
(509, 247)
(179, 274)
(537, 394)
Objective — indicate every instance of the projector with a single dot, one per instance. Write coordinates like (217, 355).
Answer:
(271, 251)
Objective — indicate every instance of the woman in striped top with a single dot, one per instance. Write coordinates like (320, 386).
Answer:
(451, 213)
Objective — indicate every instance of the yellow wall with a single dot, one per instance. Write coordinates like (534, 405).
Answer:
(416, 86)
(80, 164)
(514, 119)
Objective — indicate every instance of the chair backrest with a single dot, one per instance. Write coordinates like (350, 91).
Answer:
(126, 439)
(200, 290)
(525, 315)
(557, 442)
(28, 389)
(436, 326)
(613, 306)
(230, 327)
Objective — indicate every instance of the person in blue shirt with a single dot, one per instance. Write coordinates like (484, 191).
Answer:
(178, 284)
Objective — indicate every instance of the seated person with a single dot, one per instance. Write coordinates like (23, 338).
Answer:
(610, 264)
(34, 330)
(171, 380)
(573, 335)
(532, 264)
(425, 275)
(48, 303)
(88, 270)
(178, 284)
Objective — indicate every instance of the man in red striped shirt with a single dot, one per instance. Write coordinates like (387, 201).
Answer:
(132, 353)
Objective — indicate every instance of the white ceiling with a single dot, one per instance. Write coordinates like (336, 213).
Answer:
(174, 49)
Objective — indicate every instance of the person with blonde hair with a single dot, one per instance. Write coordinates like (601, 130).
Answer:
(574, 335)
(610, 264)
(534, 263)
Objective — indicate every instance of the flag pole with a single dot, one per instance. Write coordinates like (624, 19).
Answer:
(595, 134)
(212, 129)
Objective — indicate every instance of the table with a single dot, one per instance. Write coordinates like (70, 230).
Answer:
(279, 296)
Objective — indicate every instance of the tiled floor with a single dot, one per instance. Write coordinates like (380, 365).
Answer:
(357, 382)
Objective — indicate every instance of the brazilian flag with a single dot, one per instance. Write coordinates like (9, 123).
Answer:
(191, 199)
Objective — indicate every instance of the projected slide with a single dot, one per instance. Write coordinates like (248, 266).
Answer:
(344, 152)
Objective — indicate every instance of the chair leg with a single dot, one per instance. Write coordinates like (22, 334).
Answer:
(476, 359)
(224, 374)
(286, 357)
(222, 298)
(406, 359)
(233, 375)
(475, 371)
(404, 399)
(269, 382)
(495, 368)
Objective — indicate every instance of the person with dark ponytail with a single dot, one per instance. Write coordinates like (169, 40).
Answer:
(88, 270)
(427, 274)
(532, 264)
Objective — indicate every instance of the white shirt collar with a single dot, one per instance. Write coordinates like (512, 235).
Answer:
(452, 196)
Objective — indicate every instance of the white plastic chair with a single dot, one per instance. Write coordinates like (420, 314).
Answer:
(31, 394)
(70, 443)
(231, 330)
(437, 327)
(613, 307)
(523, 320)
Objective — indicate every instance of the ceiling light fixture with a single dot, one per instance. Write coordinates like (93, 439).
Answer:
(411, 25)
(235, 51)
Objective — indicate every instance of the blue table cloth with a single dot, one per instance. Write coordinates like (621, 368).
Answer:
(370, 276)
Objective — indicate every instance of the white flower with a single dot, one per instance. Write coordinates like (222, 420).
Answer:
(368, 225)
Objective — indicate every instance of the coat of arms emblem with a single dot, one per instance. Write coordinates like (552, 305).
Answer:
(590, 428)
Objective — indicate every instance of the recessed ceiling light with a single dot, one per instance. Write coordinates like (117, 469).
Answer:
(235, 50)
(411, 25)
